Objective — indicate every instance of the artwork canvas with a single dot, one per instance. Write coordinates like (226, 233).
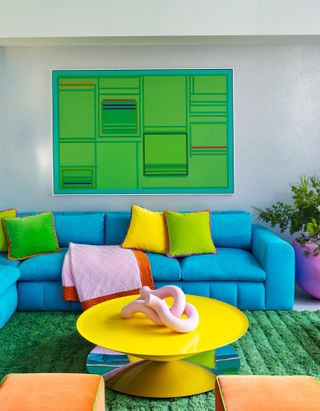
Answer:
(143, 131)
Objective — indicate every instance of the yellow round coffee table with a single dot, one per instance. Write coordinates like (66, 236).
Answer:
(163, 373)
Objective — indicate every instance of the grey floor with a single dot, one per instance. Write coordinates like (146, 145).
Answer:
(304, 301)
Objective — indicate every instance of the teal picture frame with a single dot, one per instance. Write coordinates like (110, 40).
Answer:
(85, 164)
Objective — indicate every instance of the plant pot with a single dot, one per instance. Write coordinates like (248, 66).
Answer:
(307, 269)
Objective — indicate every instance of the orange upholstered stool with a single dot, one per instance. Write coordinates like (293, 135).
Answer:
(52, 392)
(262, 393)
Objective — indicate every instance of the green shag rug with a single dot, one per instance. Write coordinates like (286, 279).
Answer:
(278, 342)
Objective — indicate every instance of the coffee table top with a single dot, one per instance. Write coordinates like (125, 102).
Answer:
(220, 324)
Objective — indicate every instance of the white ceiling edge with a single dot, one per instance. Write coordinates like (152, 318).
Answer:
(160, 40)
(109, 18)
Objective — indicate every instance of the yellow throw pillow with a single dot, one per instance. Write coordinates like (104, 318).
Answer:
(3, 239)
(146, 231)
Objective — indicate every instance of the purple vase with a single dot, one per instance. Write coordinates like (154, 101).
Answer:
(307, 269)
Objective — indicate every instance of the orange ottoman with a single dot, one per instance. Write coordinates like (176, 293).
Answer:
(262, 393)
(52, 392)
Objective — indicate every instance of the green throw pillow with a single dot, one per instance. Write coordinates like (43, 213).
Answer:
(29, 236)
(189, 233)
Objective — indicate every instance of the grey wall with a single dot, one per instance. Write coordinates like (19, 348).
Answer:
(276, 103)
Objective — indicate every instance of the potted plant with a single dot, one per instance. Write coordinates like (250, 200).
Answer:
(301, 216)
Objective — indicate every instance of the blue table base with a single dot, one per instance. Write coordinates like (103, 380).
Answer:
(101, 361)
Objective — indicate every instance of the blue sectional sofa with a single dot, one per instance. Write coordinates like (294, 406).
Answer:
(253, 268)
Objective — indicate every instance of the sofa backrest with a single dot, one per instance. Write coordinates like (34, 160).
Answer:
(229, 228)
(78, 227)
(81, 228)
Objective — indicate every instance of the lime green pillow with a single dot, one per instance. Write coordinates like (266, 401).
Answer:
(189, 233)
(3, 239)
(29, 236)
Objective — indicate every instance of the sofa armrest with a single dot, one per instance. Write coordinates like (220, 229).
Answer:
(278, 260)
(8, 292)
(5, 261)
(9, 275)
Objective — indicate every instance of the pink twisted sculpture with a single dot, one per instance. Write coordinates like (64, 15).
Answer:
(153, 305)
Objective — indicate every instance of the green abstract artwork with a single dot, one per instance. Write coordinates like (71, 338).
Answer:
(143, 131)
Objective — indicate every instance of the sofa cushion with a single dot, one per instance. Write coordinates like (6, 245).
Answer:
(188, 233)
(147, 231)
(117, 225)
(8, 276)
(231, 229)
(44, 296)
(82, 228)
(48, 267)
(11, 212)
(229, 264)
(31, 235)
(164, 268)
(45, 267)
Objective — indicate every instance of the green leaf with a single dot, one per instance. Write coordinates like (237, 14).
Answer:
(302, 215)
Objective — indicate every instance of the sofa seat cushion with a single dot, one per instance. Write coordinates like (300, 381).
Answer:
(164, 268)
(229, 264)
(8, 276)
(48, 267)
